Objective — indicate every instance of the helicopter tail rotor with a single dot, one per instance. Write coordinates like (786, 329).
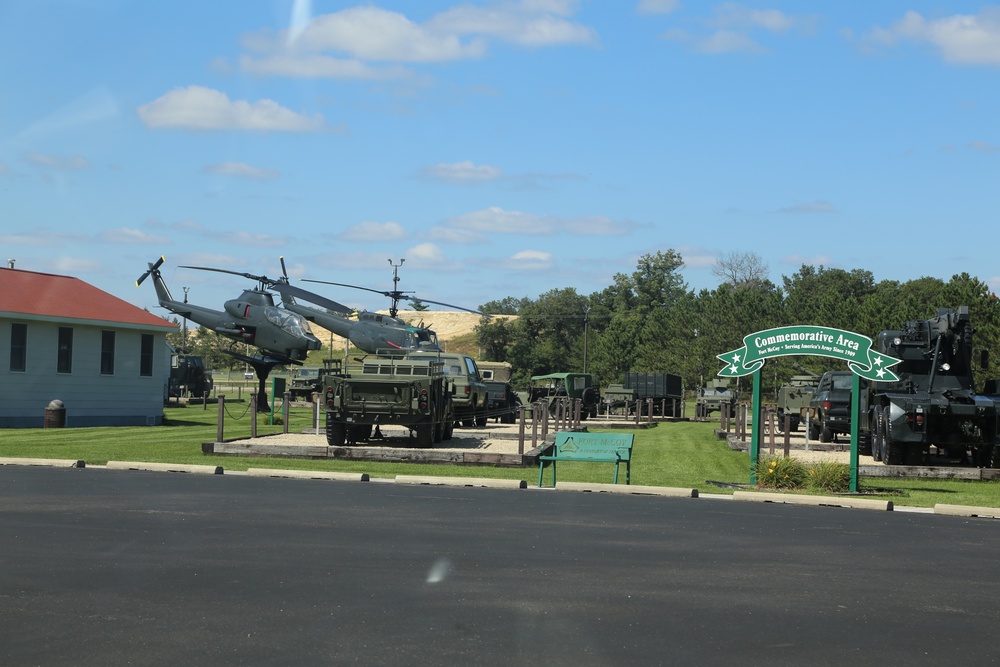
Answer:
(153, 269)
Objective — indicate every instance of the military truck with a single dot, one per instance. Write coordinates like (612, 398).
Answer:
(831, 406)
(471, 394)
(308, 381)
(188, 376)
(712, 395)
(794, 399)
(378, 390)
(503, 401)
(935, 402)
(571, 385)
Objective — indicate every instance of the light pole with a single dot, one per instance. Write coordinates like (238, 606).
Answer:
(586, 323)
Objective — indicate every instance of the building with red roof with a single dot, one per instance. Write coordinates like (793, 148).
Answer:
(64, 340)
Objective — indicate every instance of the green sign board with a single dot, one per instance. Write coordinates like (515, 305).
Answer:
(810, 340)
(816, 341)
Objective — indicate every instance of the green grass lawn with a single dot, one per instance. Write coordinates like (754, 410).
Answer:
(681, 454)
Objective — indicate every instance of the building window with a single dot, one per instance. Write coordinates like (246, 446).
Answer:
(18, 347)
(64, 361)
(107, 353)
(146, 356)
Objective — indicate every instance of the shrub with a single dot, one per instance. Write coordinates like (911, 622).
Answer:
(780, 473)
(829, 476)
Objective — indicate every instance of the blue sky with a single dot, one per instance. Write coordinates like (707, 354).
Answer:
(501, 148)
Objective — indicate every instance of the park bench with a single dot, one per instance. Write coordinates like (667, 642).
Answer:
(593, 447)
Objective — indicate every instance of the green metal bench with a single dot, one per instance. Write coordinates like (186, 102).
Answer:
(593, 447)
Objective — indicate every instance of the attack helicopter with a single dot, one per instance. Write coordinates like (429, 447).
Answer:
(371, 332)
(281, 336)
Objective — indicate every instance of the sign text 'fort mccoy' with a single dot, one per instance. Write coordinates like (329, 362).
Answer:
(853, 348)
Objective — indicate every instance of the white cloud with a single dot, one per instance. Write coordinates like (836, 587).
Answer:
(374, 231)
(425, 254)
(200, 108)
(961, 39)
(499, 221)
(72, 266)
(525, 23)
(57, 162)
(132, 236)
(37, 237)
(529, 260)
(984, 146)
(371, 33)
(734, 26)
(657, 6)
(463, 172)
(241, 170)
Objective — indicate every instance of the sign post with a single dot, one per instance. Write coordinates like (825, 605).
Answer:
(808, 340)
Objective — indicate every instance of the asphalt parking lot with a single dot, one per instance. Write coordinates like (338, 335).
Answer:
(103, 567)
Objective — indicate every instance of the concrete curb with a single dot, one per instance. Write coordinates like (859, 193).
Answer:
(463, 481)
(309, 474)
(827, 501)
(52, 463)
(165, 467)
(630, 489)
(968, 510)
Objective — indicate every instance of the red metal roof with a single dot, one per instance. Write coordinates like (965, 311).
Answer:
(64, 297)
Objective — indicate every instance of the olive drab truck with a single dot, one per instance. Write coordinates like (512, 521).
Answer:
(793, 400)
(934, 403)
(378, 390)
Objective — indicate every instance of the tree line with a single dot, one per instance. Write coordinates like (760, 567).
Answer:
(652, 321)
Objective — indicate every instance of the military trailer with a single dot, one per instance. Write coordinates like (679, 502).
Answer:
(934, 403)
(414, 392)
(308, 381)
(665, 389)
(619, 399)
(570, 385)
(793, 401)
(712, 396)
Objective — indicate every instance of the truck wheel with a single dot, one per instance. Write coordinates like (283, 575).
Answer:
(794, 425)
(814, 430)
(359, 433)
(336, 433)
(481, 421)
(779, 421)
(994, 456)
(825, 434)
(448, 430)
(425, 435)
(893, 451)
(875, 420)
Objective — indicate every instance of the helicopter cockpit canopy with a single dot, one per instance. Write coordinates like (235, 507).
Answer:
(288, 321)
(423, 338)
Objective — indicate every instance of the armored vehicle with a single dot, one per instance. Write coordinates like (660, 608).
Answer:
(713, 394)
(831, 406)
(411, 392)
(571, 385)
(794, 399)
(934, 403)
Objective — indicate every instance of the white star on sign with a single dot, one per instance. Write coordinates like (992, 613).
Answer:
(878, 360)
(880, 372)
(736, 358)
(733, 369)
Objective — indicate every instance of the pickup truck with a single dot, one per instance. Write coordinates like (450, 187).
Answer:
(470, 395)
(831, 406)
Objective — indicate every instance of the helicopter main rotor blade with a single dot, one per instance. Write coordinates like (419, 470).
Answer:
(449, 305)
(299, 293)
(262, 279)
(367, 289)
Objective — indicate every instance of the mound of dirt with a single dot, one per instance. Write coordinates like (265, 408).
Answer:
(448, 324)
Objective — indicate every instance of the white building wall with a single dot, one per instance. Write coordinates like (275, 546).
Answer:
(91, 399)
